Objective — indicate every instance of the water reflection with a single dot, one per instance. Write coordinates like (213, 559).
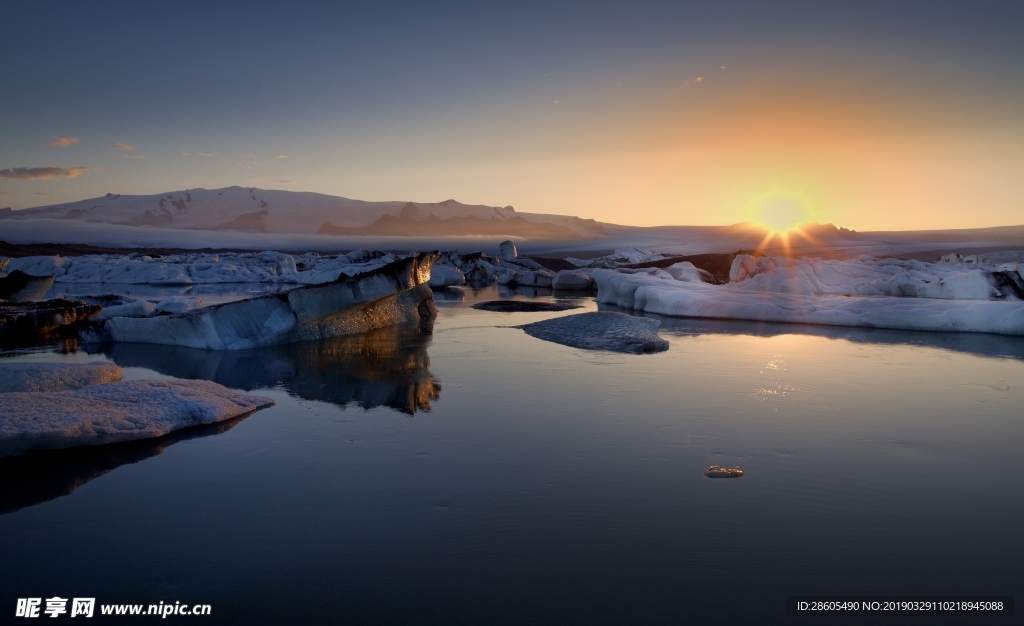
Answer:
(43, 475)
(974, 343)
(387, 367)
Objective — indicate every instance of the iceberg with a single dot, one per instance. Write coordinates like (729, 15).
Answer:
(115, 411)
(442, 276)
(21, 287)
(395, 293)
(55, 376)
(792, 295)
(603, 330)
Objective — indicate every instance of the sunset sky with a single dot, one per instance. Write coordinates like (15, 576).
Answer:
(870, 115)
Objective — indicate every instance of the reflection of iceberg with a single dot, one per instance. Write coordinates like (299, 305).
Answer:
(973, 343)
(40, 476)
(386, 367)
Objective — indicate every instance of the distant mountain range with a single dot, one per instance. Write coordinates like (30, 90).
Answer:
(250, 209)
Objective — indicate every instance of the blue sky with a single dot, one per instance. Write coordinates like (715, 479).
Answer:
(649, 113)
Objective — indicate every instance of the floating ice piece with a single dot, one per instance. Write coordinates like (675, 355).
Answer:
(442, 276)
(507, 251)
(664, 296)
(603, 330)
(389, 295)
(55, 376)
(574, 280)
(21, 287)
(135, 308)
(688, 272)
(523, 306)
(723, 472)
(178, 304)
(38, 265)
(116, 411)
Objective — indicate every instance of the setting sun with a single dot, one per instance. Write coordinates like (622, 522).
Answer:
(781, 211)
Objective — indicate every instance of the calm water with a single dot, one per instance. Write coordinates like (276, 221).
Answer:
(484, 476)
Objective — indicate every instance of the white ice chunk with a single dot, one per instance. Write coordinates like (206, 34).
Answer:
(55, 376)
(653, 294)
(446, 276)
(38, 265)
(178, 304)
(137, 308)
(507, 251)
(573, 279)
(117, 411)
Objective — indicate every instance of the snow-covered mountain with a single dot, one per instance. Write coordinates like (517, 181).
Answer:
(252, 209)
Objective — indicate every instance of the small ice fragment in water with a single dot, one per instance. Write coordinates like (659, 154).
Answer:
(723, 472)
(602, 330)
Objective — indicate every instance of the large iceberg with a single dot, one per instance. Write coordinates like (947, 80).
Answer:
(55, 376)
(395, 293)
(116, 411)
(869, 276)
(878, 293)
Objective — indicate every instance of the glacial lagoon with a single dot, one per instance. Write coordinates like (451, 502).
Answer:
(481, 475)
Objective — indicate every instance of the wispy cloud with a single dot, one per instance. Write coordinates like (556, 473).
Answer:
(206, 154)
(40, 193)
(42, 173)
(135, 157)
(124, 146)
(248, 166)
(282, 156)
(63, 142)
(183, 153)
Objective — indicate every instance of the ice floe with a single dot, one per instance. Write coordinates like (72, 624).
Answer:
(55, 376)
(602, 330)
(115, 411)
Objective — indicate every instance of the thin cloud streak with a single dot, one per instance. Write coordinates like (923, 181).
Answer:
(63, 142)
(123, 146)
(135, 157)
(42, 173)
